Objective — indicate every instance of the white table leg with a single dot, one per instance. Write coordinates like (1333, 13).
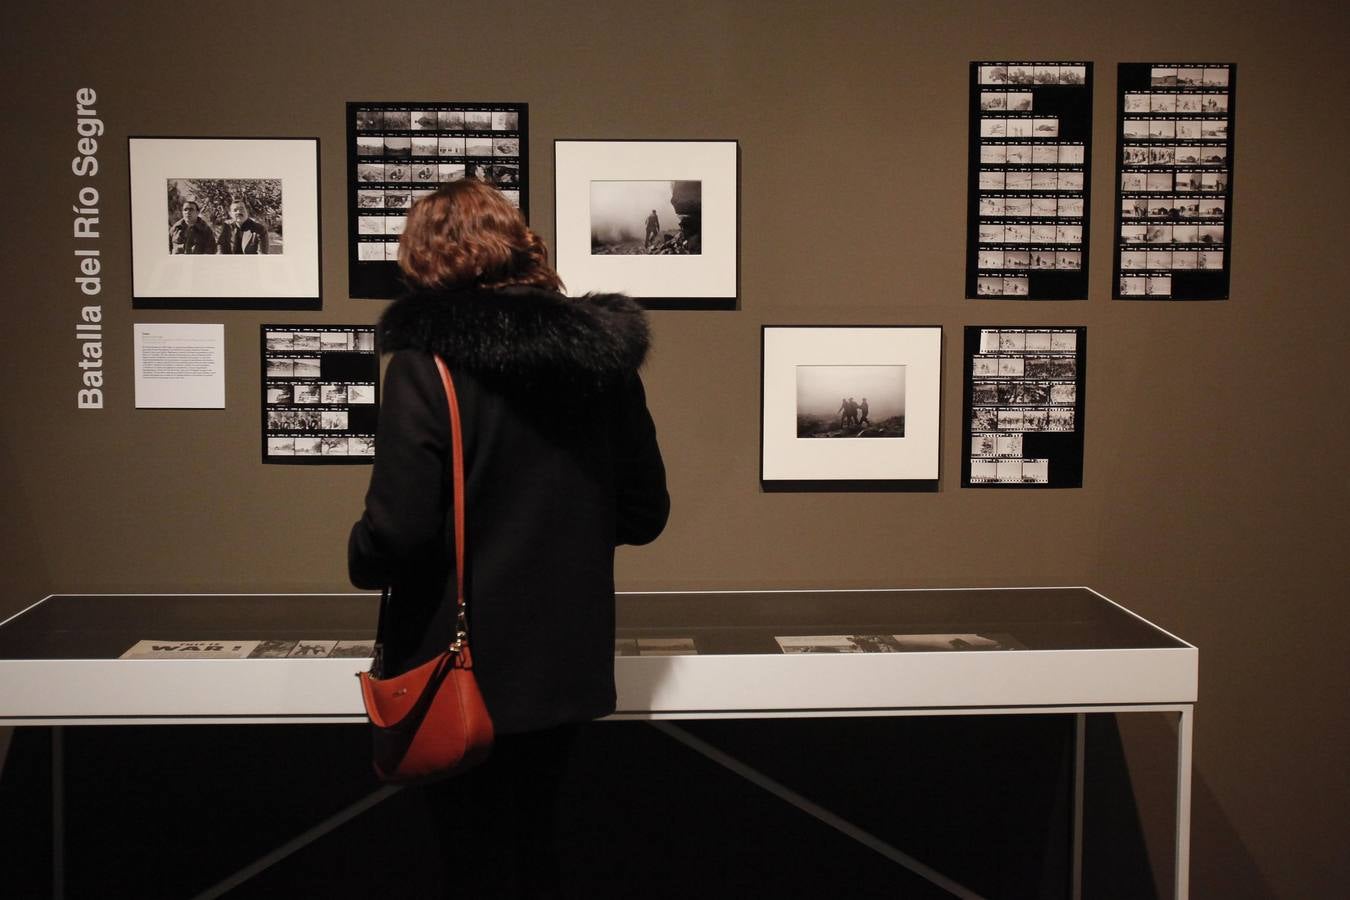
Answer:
(1185, 748)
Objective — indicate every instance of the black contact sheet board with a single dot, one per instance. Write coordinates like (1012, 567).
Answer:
(1029, 179)
(320, 394)
(1023, 404)
(400, 152)
(1174, 180)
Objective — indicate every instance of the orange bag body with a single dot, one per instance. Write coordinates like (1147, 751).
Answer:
(430, 722)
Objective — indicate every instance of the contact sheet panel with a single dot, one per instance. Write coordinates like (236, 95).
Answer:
(1024, 407)
(1030, 170)
(320, 388)
(400, 152)
(1174, 181)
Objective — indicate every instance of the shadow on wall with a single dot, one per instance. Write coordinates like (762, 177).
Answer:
(1228, 861)
(1116, 860)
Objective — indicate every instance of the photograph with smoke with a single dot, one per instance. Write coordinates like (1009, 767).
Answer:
(850, 381)
(850, 401)
(657, 218)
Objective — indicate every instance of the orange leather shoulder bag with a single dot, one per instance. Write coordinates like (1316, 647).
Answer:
(430, 722)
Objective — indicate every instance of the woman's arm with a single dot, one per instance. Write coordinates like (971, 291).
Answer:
(401, 534)
(640, 474)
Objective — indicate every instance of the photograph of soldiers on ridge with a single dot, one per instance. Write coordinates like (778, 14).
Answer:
(209, 216)
(653, 218)
(850, 401)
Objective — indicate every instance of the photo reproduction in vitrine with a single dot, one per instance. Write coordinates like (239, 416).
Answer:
(1174, 181)
(398, 153)
(320, 386)
(1030, 170)
(1024, 407)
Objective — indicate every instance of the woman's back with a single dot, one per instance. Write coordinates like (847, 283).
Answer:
(561, 464)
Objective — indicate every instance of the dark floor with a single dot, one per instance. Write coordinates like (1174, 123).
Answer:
(172, 811)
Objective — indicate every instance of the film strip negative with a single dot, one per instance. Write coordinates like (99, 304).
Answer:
(1030, 171)
(1024, 406)
(320, 388)
(398, 153)
(1174, 181)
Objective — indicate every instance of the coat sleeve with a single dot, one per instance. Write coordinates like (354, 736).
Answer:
(643, 504)
(401, 535)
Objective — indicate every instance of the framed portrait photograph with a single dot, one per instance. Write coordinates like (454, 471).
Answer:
(850, 407)
(656, 220)
(224, 223)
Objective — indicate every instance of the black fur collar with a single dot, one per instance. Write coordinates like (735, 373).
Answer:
(518, 332)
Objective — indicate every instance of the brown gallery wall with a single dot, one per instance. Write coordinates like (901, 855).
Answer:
(1217, 447)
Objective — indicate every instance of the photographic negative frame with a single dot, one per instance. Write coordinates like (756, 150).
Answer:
(1174, 158)
(1023, 406)
(320, 394)
(400, 151)
(210, 172)
(1029, 164)
(813, 440)
(607, 241)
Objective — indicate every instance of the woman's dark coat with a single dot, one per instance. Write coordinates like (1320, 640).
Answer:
(561, 465)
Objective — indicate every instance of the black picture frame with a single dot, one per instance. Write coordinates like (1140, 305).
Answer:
(353, 363)
(1025, 430)
(1147, 249)
(1015, 248)
(713, 274)
(800, 452)
(288, 277)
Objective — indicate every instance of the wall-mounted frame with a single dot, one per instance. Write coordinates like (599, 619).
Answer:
(657, 220)
(1030, 173)
(398, 153)
(320, 394)
(1174, 180)
(224, 223)
(1023, 406)
(850, 407)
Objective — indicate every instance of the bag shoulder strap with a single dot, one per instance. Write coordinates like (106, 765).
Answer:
(457, 476)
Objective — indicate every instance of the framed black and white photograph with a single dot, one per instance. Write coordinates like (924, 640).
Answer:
(850, 408)
(1174, 169)
(1023, 407)
(656, 220)
(399, 152)
(1030, 152)
(320, 394)
(224, 223)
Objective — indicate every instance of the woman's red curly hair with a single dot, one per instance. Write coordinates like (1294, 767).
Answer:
(468, 234)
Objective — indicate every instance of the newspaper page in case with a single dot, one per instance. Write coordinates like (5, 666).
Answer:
(152, 649)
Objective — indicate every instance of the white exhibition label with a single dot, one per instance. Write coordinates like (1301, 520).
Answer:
(180, 366)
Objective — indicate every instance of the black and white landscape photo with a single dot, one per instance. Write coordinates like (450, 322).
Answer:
(850, 401)
(655, 218)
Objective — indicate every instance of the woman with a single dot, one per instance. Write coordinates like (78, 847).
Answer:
(561, 465)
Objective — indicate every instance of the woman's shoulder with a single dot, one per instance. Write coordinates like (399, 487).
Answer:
(517, 332)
